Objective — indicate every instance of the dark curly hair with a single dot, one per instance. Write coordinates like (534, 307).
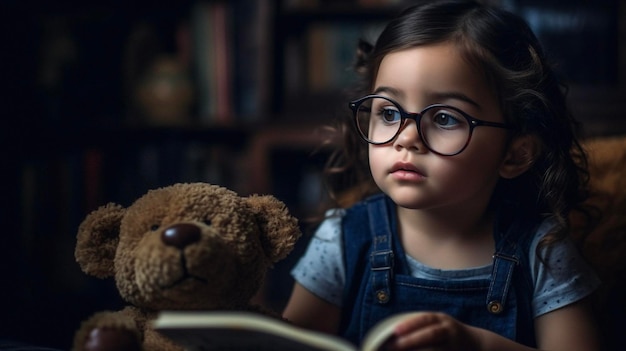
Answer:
(504, 48)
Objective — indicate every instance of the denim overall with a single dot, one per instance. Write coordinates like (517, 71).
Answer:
(378, 282)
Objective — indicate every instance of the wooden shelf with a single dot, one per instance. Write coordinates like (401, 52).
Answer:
(336, 14)
(39, 141)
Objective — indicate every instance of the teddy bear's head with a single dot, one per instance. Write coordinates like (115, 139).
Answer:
(187, 246)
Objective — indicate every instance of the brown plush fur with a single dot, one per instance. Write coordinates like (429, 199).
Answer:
(605, 244)
(236, 240)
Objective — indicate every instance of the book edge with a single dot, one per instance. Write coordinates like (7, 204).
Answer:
(170, 320)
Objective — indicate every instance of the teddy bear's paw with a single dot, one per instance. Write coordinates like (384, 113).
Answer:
(110, 339)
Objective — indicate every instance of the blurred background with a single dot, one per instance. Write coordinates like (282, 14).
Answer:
(105, 100)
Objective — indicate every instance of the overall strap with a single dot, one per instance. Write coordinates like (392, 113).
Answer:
(510, 228)
(501, 280)
(381, 256)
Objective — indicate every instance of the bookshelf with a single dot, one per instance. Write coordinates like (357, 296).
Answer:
(314, 48)
(78, 134)
(237, 92)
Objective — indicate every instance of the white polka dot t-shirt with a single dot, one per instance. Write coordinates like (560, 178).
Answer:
(561, 279)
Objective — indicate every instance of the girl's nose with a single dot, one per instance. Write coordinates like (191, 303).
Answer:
(409, 137)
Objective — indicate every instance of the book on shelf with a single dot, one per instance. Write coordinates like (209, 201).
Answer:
(332, 50)
(230, 43)
(212, 49)
(224, 330)
(252, 23)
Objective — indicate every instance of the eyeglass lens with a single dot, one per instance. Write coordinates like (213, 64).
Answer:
(443, 129)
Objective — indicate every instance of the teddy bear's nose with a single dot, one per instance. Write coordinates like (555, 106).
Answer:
(181, 235)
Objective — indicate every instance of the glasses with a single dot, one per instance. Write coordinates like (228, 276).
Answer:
(444, 130)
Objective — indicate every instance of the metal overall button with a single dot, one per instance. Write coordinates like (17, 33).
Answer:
(382, 296)
(494, 307)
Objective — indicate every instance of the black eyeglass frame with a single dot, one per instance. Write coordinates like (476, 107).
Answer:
(417, 116)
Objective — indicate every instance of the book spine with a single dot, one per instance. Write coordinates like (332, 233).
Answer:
(202, 60)
(222, 56)
(251, 74)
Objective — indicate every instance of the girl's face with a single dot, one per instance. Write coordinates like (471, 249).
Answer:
(404, 168)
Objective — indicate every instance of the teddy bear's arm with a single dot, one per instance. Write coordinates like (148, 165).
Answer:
(106, 331)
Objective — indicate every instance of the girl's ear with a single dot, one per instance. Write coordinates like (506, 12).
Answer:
(521, 154)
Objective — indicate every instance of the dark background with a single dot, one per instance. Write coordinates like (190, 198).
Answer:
(76, 141)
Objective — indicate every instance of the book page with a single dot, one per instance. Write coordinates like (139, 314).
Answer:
(199, 331)
(383, 331)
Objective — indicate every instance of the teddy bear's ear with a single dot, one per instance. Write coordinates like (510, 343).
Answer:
(280, 230)
(97, 239)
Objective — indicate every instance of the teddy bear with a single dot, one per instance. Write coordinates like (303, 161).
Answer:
(186, 246)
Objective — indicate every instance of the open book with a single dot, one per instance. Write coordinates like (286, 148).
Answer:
(197, 331)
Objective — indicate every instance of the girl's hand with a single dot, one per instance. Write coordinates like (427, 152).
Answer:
(434, 331)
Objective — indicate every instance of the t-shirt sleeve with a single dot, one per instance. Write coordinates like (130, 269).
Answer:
(320, 270)
(561, 277)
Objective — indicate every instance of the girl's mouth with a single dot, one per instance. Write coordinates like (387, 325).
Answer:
(406, 172)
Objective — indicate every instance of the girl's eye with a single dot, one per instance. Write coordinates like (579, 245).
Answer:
(390, 115)
(446, 119)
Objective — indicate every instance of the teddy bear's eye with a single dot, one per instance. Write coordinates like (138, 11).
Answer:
(154, 227)
(207, 221)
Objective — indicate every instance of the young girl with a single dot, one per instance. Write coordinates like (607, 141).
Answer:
(467, 137)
